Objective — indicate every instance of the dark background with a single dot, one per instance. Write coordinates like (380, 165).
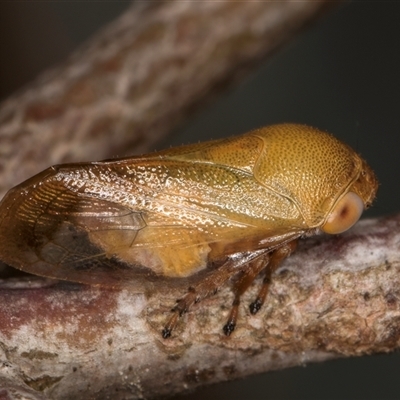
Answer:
(341, 75)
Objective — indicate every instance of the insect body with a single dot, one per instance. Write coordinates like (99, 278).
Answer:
(216, 210)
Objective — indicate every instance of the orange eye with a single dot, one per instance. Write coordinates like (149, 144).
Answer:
(344, 215)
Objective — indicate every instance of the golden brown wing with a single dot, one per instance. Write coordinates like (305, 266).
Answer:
(44, 229)
(109, 223)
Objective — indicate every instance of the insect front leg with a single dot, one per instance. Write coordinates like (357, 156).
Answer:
(242, 284)
(275, 260)
(210, 285)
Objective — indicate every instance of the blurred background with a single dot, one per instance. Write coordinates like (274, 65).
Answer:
(341, 75)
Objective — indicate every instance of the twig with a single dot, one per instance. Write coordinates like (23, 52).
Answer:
(135, 80)
(334, 297)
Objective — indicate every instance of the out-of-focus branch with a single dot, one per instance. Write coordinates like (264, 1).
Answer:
(137, 78)
(334, 297)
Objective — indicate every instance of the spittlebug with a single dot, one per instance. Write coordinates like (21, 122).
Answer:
(212, 211)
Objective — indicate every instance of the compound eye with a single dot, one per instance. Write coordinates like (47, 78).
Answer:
(344, 215)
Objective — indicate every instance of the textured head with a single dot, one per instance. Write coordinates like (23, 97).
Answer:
(326, 179)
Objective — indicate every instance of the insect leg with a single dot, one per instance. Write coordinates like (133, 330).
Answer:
(241, 285)
(208, 286)
(276, 258)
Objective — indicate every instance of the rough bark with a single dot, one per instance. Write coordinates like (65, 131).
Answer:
(137, 78)
(334, 297)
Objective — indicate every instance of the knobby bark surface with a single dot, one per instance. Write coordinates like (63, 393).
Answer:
(336, 296)
(128, 86)
(137, 78)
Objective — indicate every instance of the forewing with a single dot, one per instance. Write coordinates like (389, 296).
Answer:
(50, 230)
(45, 229)
(168, 215)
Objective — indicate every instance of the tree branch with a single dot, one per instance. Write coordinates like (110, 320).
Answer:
(334, 297)
(136, 79)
